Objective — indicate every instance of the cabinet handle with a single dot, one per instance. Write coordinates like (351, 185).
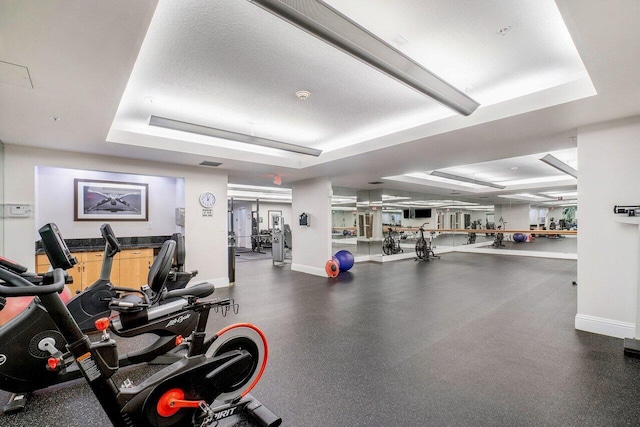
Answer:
(136, 253)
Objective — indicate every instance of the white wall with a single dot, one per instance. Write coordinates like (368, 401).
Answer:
(609, 173)
(55, 203)
(311, 245)
(515, 215)
(206, 237)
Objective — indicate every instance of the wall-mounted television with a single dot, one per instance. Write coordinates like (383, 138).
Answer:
(416, 213)
(423, 213)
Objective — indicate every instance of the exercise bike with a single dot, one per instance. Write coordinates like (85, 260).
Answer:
(424, 248)
(497, 241)
(31, 337)
(391, 246)
(97, 300)
(471, 236)
(224, 367)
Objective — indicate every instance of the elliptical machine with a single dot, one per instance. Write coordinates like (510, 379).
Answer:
(29, 339)
(226, 366)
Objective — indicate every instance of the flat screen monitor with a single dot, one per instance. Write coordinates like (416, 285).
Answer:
(423, 213)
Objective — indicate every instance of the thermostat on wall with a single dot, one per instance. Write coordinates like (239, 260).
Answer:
(17, 211)
(304, 220)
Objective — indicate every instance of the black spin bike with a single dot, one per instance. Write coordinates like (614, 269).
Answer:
(224, 367)
(391, 245)
(424, 247)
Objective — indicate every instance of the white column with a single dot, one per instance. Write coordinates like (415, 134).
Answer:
(311, 245)
(608, 256)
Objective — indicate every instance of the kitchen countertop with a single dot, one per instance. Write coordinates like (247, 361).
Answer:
(97, 244)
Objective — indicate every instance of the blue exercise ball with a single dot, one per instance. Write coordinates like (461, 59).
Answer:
(519, 237)
(345, 259)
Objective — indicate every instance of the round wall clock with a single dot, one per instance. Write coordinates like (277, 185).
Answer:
(207, 199)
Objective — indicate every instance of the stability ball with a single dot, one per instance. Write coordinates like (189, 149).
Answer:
(519, 237)
(345, 260)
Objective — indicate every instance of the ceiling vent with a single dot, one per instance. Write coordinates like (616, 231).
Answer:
(212, 164)
(376, 182)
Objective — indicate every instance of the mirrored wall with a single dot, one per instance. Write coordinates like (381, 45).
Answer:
(361, 220)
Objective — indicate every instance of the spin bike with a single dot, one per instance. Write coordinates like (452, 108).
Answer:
(424, 248)
(391, 246)
(31, 337)
(224, 367)
(497, 242)
(471, 237)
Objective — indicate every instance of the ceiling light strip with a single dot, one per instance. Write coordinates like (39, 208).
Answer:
(463, 179)
(163, 122)
(560, 165)
(324, 22)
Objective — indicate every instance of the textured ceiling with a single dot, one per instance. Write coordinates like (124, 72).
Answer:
(233, 65)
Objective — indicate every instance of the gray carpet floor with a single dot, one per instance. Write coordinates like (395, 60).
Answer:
(466, 340)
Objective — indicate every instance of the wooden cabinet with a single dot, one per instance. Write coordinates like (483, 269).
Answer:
(130, 268)
(42, 264)
(134, 267)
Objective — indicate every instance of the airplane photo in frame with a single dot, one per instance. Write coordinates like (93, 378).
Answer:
(110, 201)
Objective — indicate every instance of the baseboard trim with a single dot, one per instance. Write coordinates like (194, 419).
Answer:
(309, 270)
(602, 326)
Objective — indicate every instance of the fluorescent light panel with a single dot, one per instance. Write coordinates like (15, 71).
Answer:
(163, 122)
(524, 196)
(463, 179)
(324, 22)
(560, 165)
(538, 180)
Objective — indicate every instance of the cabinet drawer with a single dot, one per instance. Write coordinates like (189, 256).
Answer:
(91, 256)
(136, 253)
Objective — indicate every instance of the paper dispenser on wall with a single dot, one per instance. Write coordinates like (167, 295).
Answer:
(180, 217)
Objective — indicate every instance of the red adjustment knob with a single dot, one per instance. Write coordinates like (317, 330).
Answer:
(102, 323)
(53, 363)
(179, 340)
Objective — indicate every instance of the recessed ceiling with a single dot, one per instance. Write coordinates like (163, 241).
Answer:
(517, 175)
(234, 66)
(104, 69)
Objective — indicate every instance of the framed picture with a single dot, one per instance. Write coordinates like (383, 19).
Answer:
(111, 201)
(274, 217)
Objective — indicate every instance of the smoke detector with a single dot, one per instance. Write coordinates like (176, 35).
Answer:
(303, 95)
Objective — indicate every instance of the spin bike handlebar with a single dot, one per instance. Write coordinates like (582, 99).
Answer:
(16, 286)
